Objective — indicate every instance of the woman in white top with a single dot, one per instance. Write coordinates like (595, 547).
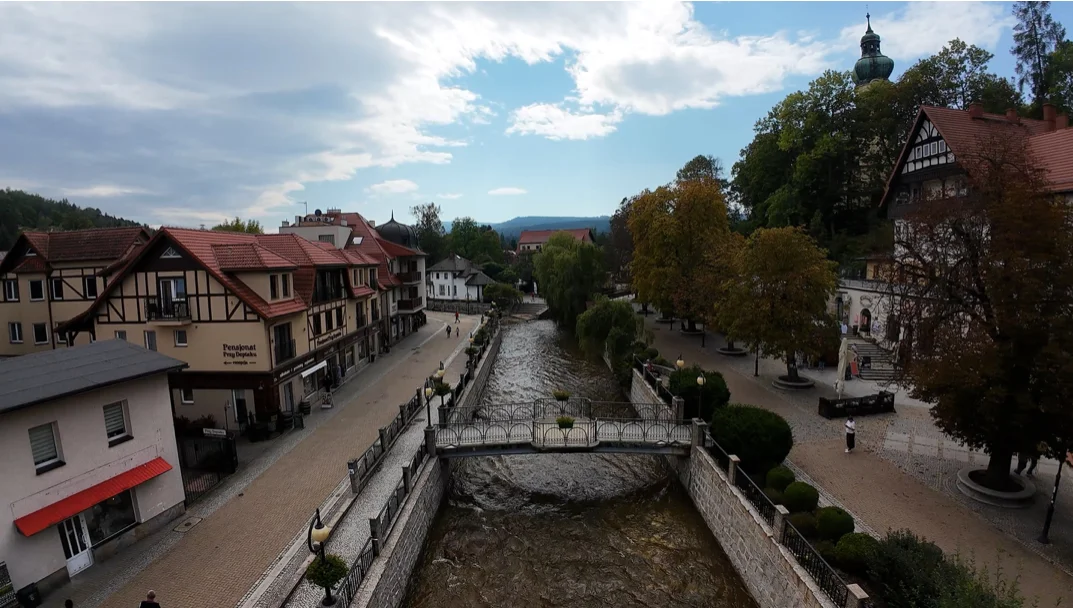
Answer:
(851, 434)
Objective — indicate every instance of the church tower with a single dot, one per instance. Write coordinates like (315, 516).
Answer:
(873, 65)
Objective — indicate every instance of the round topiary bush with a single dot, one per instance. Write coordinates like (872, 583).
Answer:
(833, 523)
(773, 495)
(855, 551)
(799, 497)
(805, 524)
(779, 477)
(826, 549)
(326, 572)
(761, 439)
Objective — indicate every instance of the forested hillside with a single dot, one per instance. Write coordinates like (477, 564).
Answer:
(22, 210)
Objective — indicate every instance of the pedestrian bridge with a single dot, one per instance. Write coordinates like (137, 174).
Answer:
(533, 428)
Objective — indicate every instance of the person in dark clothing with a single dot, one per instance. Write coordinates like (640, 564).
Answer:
(150, 601)
(448, 331)
(68, 604)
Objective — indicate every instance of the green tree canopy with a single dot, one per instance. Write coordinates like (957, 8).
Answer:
(504, 295)
(568, 273)
(25, 211)
(1035, 37)
(605, 316)
(430, 233)
(477, 243)
(237, 225)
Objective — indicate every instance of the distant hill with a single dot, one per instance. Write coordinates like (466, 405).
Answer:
(514, 227)
(25, 211)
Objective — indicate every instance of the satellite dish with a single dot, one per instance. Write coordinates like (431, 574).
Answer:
(316, 212)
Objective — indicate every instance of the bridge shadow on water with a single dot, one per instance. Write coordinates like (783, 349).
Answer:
(567, 529)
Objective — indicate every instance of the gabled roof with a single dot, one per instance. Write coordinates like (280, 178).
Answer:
(479, 278)
(92, 244)
(52, 374)
(531, 237)
(398, 251)
(1054, 152)
(452, 263)
(237, 257)
(372, 246)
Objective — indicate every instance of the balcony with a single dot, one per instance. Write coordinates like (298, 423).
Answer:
(169, 312)
(411, 305)
(410, 277)
(284, 351)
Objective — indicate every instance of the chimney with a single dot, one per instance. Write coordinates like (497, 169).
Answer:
(1049, 112)
(1062, 122)
(1011, 114)
(976, 110)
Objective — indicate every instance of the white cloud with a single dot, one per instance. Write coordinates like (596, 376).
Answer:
(393, 186)
(556, 122)
(922, 28)
(449, 196)
(103, 191)
(506, 191)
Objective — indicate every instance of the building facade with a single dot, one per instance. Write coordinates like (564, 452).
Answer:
(50, 277)
(264, 321)
(87, 455)
(456, 279)
(531, 241)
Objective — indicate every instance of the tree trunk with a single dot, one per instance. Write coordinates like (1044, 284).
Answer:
(791, 368)
(730, 344)
(691, 325)
(998, 468)
(644, 308)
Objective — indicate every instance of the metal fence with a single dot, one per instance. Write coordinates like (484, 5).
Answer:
(722, 459)
(653, 375)
(820, 571)
(757, 498)
(205, 462)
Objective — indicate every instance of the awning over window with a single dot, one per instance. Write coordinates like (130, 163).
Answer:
(314, 369)
(76, 503)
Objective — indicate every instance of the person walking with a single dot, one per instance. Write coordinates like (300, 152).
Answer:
(150, 600)
(448, 331)
(456, 317)
(456, 331)
(851, 434)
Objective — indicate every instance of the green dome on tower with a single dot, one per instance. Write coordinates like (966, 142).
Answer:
(873, 65)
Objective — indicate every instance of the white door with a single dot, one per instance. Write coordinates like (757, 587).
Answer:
(238, 397)
(75, 544)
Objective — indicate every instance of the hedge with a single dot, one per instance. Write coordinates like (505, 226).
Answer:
(761, 439)
(800, 497)
(833, 523)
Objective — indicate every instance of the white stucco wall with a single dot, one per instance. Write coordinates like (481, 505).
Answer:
(89, 461)
(448, 280)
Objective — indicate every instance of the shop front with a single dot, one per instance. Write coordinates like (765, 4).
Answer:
(307, 378)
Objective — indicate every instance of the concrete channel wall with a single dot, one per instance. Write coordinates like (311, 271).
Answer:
(385, 584)
(770, 572)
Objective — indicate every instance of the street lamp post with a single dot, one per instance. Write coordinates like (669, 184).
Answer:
(700, 393)
(316, 538)
(428, 406)
(1043, 537)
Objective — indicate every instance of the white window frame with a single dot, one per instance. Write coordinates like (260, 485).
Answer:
(55, 289)
(285, 284)
(183, 394)
(41, 285)
(13, 328)
(120, 334)
(45, 325)
(86, 282)
(145, 340)
(11, 290)
(273, 286)
(186, 338)
(125, 434)
(57, 460)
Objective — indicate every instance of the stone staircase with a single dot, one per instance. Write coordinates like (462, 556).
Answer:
(530, 309)
(882, 362)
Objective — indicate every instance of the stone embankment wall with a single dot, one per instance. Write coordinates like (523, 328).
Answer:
(385, 584)
(771, 573)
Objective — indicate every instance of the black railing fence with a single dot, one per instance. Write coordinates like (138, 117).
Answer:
(820, 571)
(758, 499)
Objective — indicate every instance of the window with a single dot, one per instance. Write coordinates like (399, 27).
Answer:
(285, 281)
(150, 340)
(273, 286)
(40, 333)
(327, 238)
(37, 290)
(328, 325)
(120, 334)
(89, 287)
(339, 317)
(109, 518)
(45, 448)
(115, 423)
(316, 325)
(14, 333)
(59, 338)
(186, 395)
(356, 277)
(180, 337)
(443, 290)
(11, 290)
(57, 289)
(454, 290)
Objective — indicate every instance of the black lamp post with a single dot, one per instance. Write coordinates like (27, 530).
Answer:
(700, 394)
(428, 406)
(316, 538)
(1043, 538)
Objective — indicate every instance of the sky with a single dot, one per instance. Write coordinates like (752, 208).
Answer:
(187, 114)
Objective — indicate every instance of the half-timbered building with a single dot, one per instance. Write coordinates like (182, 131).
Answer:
(262, 320)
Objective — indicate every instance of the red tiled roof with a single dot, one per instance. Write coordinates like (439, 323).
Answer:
(1054, 153)
(90, 244)
(370, 246)
(31, 264)
(530, 237)
(76, 503)
(248, 256)
(361, 291)
(397, 251)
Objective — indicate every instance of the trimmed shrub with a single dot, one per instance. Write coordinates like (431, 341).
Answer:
(700, 401)
(326, 572)
(907, 570)
(805, 524)
(833, 523)
(799, 497)
(855, 552)
(650, 353)
(773, 495)
(779, 477)
(761, 439)
(826, 549)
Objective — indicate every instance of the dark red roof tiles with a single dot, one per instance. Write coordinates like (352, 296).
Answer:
(531, 237)
(90, 244)
(31, 264)
(1054, 152)
(248, 256)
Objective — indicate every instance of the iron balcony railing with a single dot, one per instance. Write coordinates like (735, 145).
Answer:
(409, 277)
(284, 350)
(170, 310)
(411, 304)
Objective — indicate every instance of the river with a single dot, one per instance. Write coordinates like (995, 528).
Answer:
(577, 530)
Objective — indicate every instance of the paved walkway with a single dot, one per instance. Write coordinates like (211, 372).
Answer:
(880, 494)
(247, 523)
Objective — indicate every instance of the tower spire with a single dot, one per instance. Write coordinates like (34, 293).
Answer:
(868, 18)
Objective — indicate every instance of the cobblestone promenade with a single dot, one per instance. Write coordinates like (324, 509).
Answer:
(249, 521)
(901, 475)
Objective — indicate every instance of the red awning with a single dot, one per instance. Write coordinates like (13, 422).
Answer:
(76, 503)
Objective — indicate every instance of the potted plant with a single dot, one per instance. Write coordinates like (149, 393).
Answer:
(326, 572)
(561, 395)
(565, 422)
(305, 407)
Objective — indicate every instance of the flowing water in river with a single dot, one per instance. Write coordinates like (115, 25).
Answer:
(576, 530)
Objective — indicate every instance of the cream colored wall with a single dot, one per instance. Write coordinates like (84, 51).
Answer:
(210, 402)
(299, 332)
(205, 343)
(26, 312)
(198, 285)
(89, 461)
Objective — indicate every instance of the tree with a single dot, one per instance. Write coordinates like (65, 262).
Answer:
(1061, 77)
(504, 295)
(620, 243)
(701, 230)
(703, 167)
(237, 225)
(569, 272)
(780, 293)
(1035, 36)
(477, 243)
(595, 326)
(955, 77)
(430, 233)
(981, 295)
(25, 211)
(653, 264)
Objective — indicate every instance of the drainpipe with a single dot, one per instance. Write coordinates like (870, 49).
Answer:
(47, 288)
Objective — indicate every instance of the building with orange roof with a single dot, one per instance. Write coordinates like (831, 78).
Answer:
(264, 321)
(50, 277)
(928, 171)
(533, 240)
(400, 264)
